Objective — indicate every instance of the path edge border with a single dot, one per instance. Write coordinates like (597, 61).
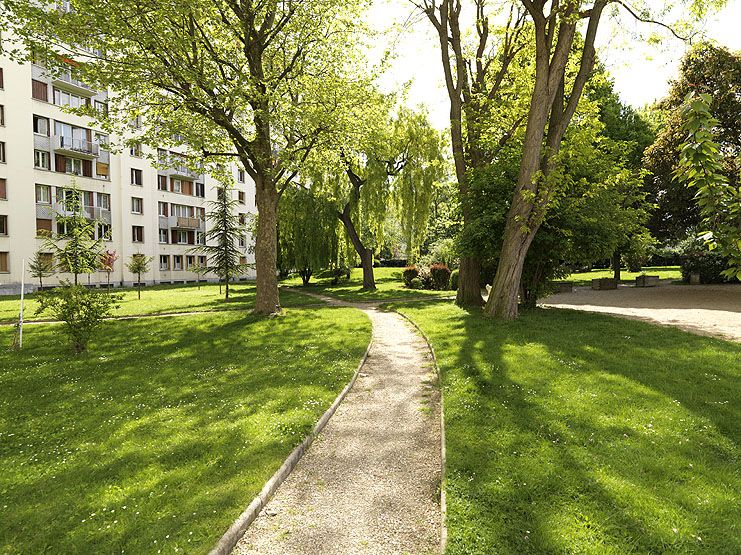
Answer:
(234, 533)
(443, 452)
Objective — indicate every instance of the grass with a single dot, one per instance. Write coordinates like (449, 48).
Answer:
(161, 299)
(144, 444)
(388, 283)
(664, 272)
(570, 432)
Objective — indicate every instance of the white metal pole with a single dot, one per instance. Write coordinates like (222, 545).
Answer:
(23, 289)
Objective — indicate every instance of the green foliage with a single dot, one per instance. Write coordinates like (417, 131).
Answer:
(415, 283)
(41, 266)
(307, 232)
(81, 309)
(440, 277)
(223, 252)
(408, 274)
(75, 248)
(707, 68)
(443, 251)
(138, 264)
(709, 265)
(701, 167)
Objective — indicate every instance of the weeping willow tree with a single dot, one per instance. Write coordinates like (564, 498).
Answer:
(307, 232)
(393, 164)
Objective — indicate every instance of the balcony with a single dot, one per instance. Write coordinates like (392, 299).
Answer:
(181, 222)
(68, 83)
(80, 148)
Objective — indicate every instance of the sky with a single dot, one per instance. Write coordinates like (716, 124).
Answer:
(642, 72)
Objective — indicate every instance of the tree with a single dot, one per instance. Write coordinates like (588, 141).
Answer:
(701, 167)
(107, 261)
(138, 264)
(553, 102)
(474, 75)
(708, 69)
(224, 254)
(200, 270)
(256, 82)
(74, 245)
(41, 266)
(308, 238)
(82, 310)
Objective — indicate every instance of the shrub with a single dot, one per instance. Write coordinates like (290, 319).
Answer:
(81, 309)
(416, 283)
(453, 286)
(440, 275)
(339, 274)
(708, 264)
(426, 278)
(408, 274)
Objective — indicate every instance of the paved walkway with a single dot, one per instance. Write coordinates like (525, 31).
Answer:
(370, 482)
(703, 309)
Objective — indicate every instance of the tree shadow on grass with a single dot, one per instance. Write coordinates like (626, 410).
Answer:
(573, 432)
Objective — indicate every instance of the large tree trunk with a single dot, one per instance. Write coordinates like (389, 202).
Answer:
(267, 300)
(469, 285)
(365, 254)
(616, 259)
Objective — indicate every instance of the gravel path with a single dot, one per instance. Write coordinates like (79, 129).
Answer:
(370, 482)
(703, 309)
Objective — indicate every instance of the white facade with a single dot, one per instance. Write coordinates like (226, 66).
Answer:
(43, 148)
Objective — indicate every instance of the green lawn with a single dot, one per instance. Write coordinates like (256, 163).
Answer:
(161, 299)
(664, 272)
(159, 436)
(388, 282)
(570, 432)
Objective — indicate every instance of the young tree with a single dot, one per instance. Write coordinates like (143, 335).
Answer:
(107, 261)
(199, 270)
(138, 264)
(74, 245)
(41, 266)
(308, 238)
(224, 254)
(256, 82)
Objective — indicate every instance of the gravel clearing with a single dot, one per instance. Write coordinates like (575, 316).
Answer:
(703, 309)
(370, 482)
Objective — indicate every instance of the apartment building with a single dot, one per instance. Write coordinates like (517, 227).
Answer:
(138, 207)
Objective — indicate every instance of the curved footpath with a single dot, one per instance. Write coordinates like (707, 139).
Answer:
(370, 481)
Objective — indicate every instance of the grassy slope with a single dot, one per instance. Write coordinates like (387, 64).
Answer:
(144, 443)
(388, 283)
(570, 432)
(664, 272)
(166, 298)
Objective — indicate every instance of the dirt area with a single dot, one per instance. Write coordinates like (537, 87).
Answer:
(703, 309)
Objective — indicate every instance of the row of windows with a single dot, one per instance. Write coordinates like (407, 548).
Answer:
(40, 91)
(177, 261)
(90, 199)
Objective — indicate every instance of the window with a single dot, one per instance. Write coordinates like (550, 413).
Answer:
(104, 201)
(101, 169)
(164, 262)
(177, 186)
(64, 98)
(136, 150)
(101, 107)
(182, 237)
(43, 194)
(41, 125)
(202, 260)
(242, 241)
(161, 156)
(163, 235)
(3, 189)
(200, 238)
(136, 123)
(2, 151)
(39, 90)
(73, 165)
(200, 190)
(242, 219)
(162, 208)
(104, 232)
(177, 262)
(137, 233)
(137, 205)
(162, 182)
(136, 177)
(2, 114)
(4, 262)
(3, 225)
(240, 176)
(190, 261)
(240, 197)
(41, 159)
(2, 84)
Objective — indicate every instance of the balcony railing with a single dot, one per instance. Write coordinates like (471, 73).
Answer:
(181, 222)
(69, 83)
(82, 147)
